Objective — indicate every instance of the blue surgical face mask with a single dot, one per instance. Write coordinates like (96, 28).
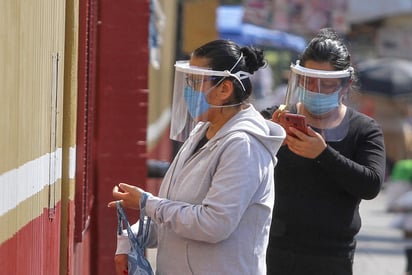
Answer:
(318, 103)
(195, 101)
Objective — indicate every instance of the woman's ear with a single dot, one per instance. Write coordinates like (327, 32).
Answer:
(345, 88)
(226, 89)
(347, 83)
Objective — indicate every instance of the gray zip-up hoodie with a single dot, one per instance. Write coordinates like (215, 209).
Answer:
(214, 208)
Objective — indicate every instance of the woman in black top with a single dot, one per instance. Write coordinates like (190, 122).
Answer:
(322, 176)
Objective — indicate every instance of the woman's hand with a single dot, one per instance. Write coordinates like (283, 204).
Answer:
(308, 146)
(130, 198)
(120, 262)
(278, 118)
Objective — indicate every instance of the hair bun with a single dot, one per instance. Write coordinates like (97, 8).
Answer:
(254, 58)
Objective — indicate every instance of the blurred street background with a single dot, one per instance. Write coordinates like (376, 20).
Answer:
(380, 246)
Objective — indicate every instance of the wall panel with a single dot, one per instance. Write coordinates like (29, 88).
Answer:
(31, 88)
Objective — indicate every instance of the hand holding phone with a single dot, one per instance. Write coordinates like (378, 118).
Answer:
(295, 121)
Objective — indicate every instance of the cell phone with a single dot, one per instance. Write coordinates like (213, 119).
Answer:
(295, 121)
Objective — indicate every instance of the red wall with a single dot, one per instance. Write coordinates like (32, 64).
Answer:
(35, 248)
(121, 116)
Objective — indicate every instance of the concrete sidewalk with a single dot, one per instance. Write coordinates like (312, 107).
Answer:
(380, 248)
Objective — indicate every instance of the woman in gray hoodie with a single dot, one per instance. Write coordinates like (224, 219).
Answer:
(214, 208)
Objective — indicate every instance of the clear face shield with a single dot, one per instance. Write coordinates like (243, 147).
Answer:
(191, 87)
(318, 94)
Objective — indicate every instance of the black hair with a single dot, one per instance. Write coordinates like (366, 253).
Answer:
(223, 55)
(328, 46)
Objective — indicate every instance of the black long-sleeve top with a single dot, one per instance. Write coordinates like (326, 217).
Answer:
(317, 200)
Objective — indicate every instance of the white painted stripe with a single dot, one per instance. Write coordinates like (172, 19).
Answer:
(156, 129)
(29, 179)
(72, 163)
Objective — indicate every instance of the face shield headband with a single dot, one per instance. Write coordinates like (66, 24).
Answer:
(184, 66)
(317, 94)
(320, 73)
(191, 87)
